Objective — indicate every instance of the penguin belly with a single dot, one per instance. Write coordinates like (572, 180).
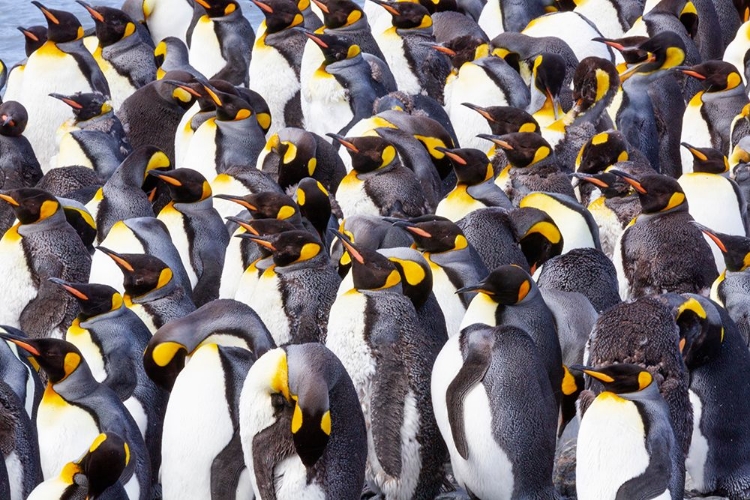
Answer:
(142, 313)
(184, 135)
(449, 301)
(474, 86)
(65, 432)
(18, 284)
(604, 15)
(279, 83)
(175, 222)
(611, 448)
(48, 70)
(290, 480)
(488, 472)
(608, 223)
(70, 153)
(201, 153)
(120, 87)
(268, 302)
(312, 59)
(695, 132)
(353, 199)
(121, 239)
(481, 310)
(205, 52)
(168, 18)
(328, 106)
(572, 225)
(392, 47)
(233, 268)
(695, 462)
(491, 19)
(573, 30)
(15, 83)
(457, 204)
(734, 53)
(48, 490)
(197, 426)
(16, 475)
(91, 352)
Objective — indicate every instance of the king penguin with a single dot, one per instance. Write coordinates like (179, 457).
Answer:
(34, 38)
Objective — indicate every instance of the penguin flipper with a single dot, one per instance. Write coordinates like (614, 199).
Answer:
(387, 409)
(654, 480)
(471, 373)
(226, 469)
(270, 446)
(48, 309)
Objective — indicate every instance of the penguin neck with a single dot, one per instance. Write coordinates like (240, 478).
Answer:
(738, 91)
(114, 314)
(55, 221)
(77, 385)
(650, 216)
(195, 208)
(649, 394)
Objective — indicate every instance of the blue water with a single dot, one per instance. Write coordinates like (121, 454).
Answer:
(25, 15)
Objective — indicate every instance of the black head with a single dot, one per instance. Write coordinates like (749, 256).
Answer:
(370, 270)
(707, 160)
(629, 47)
(715, 76)
(736, 249)
(471, 165)
(506, 285)
(594, 79)
(280, 15)
(368, 153)
(112, 25)
(94, 299)
(658, 193)
(314, 204)
(665, 50)
(434, 234)
(85, 105)
(59, 359)
(505, 120)
(523, 149)
(13, 118)
(31, 205)
(602, 151)
(61, 26)
(609, 184)
(701, 331)
(185, 184)
(229, 107)
(179, 87)
(104, 463)
(340, 13)
(463, 49)
(416, 276)
(266, 205)
(142, 273)
(291, 247)
(34, 37)
(219, 8)
(619, 378)
(538, 235)
(550, 74)
(407, 15)
(335, 48)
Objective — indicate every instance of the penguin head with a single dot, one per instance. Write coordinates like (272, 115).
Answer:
(416, 275)
(103, 463)
(340, 13)
(94, 299)
(135, 168)
(296, 151)
(736, 249)
(13, 118)
(507, 285)
(370, 270)
(434, 6)
(594, 80)
(179, 87)
(407, 15)
(266, 205)
(620, 378)
(701, 329)
(369, 153)
(262, 228)
(743, 8)
(61, 26)
(35, 37)
(471, 165)
(707, 160)
(335, 48)
(665, 50)
(609, 184)
(169, 49)
(537, 234)
(31, 205)
(523, 149)
(314, 203)
(87, 105)
(80, 218)
(463, 49)
(290, 247)
(58, 358)
(142, 273)
(229, 107)
(716, 76)
(602, 151)
(280, 15)
(658, 193)
(185, 184)
(112, 25)
(629, 47)
(548, 74)
(505, 120)
(219, 8)
(434, 234)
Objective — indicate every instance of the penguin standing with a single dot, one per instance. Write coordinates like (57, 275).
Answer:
(483, 381)
(393, 387)
(626, 446)
(196, 230)
(41, 245)
(93, 111)
(301, 422)
(498, 16)
(166, 18)
(34, 38)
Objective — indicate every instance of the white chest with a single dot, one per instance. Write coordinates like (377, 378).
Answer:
(393, 48)
(18, 286)
(328, 106)
(694, 132)
(175, 222)
(91, 352)
(120, 239)
(481, 310)
(491, 19)
(353, 199)
(233, 268)
(205, 51)
(120, 87)
(278, 84)
(147, 319)
(266, 300)
(695, 462)
(449, 301)
(201, 152)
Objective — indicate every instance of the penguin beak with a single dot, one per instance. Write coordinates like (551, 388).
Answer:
(593, 180)
(237, 199)
(474, 288)
(94, 14)
(388, 7)
(349, 247)
(708, 232)
(16, 336)
(244, 224)
(67, 100)
(312, 36)
(632, 71)
(693, 151)
(692, 72)
(611, 43)
(260, 241)
(342, 140)
(117, 258)
(49, 15)
(322, 6)
(263, 6)
(630, 180)
(444, 50)
(479, 110)
(7, 120)
(554, 100)
(412, 228)
(184, 87)
(28, 34)
(69, 288)
(213, 95)
(203, 4)
(602, 377)
(495, 139)
(9, 199)
(452, 155)
(165, 178)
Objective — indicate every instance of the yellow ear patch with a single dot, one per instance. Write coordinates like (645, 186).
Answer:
(644, 380)
(116, 301)
(623, 156)
(599, 139)
(164, 353)
(311, 165)
(264, 120)
(460, 242)
(285, 212)
(127, 453)
(70, 363)
(229, 9)
(733, 80)
(353, 51)
(325, 423)
(291, 153)
(353, 17)
(675, 200)
(164, 276)
(692, 305)
(129, 29)
(300, 197)
(242, 114)
(296, 419)
(546, 229)
(413, 272)
(280, 378)
(527, 127)
(569, 386)
(157, 160)
(388, 155)
(602, 84)
(308, 251)
(674, 58)
(182, 94)
(97, 442)
(48, 209)
(523, 290)
(541, 153)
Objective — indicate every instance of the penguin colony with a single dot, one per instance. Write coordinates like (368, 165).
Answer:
(412, 250)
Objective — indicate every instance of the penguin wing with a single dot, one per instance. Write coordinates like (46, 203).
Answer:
(226, 469)
(238, 40)
(48, 309)
(655, 479)
(490, 194)
(475, 366)
(87, 65)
